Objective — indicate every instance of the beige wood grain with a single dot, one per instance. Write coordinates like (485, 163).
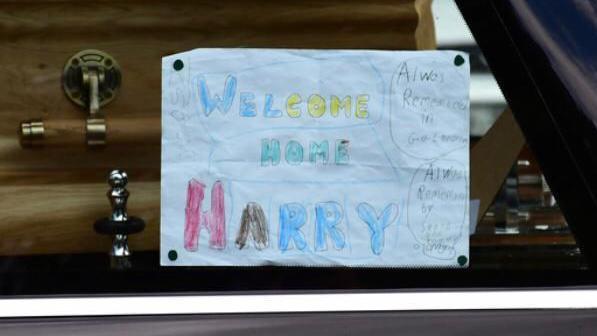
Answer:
(58, 218)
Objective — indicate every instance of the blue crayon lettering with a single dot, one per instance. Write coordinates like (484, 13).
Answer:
(292, 217)
(267, 108)
(342, 156)
(294, 153)
(377, 224)
(319, 150)
(247, 106)
(221, 103)
(327, 216)
(270, 152)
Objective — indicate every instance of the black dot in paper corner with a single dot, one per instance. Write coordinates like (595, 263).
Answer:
(462, 260)
(178, 65)
(458, 60)
(172, 255)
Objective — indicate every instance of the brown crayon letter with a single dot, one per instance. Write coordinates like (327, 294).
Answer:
(253, 220)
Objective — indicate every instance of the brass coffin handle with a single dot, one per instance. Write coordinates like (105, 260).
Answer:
(91, 79)
(145, 131)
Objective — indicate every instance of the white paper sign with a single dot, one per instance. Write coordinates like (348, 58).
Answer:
(315, 157)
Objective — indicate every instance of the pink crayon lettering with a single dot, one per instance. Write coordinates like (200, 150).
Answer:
(213, 220)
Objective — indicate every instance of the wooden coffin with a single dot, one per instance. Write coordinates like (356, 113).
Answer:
(50, 196)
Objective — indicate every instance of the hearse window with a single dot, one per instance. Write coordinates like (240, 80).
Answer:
(96, 195)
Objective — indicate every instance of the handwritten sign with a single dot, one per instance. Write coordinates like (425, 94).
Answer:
(319, 158)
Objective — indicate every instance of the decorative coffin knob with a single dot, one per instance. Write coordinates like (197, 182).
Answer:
(119, 224)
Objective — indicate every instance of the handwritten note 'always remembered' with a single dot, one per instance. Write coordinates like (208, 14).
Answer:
(319, 158)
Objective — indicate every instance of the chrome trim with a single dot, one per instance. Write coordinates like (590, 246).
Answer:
(287, 303)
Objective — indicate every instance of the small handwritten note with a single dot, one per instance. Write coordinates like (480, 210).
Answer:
(315, 158)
